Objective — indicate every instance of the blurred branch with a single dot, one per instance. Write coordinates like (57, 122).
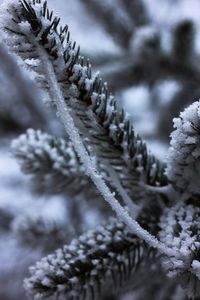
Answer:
(21, 96)
(183, 42)
(133, 70)
(6, 217)
(113, 18)
(148, 62)
(137, 11)
(36, 230)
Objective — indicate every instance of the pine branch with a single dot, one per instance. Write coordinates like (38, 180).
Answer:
(75, 88)
(55, 168)
(53, 164)
(180, 231)
(109, 253)
(95, 112)
(183, 157)
(90, 166)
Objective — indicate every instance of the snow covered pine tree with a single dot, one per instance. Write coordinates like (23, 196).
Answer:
(156, 231)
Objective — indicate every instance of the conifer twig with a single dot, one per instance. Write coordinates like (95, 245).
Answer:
(90, 166)
(108, 254)
(103, 112)
(104, 125)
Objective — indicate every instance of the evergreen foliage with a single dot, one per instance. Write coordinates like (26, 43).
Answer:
(114, 139)
(183, 157)
(79, 270)
(52, 163)
(180, 229)
(156, 203)
(148, 60)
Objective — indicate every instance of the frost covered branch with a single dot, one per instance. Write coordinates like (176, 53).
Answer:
(184, 153)
(180, 230)
(90, 166)
(95, 112)
(114, 157)
(53, 164)
(106, 255)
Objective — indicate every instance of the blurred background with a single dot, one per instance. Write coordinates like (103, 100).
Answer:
(148, 53)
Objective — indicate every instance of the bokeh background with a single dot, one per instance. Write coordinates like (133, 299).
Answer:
(148, 52)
